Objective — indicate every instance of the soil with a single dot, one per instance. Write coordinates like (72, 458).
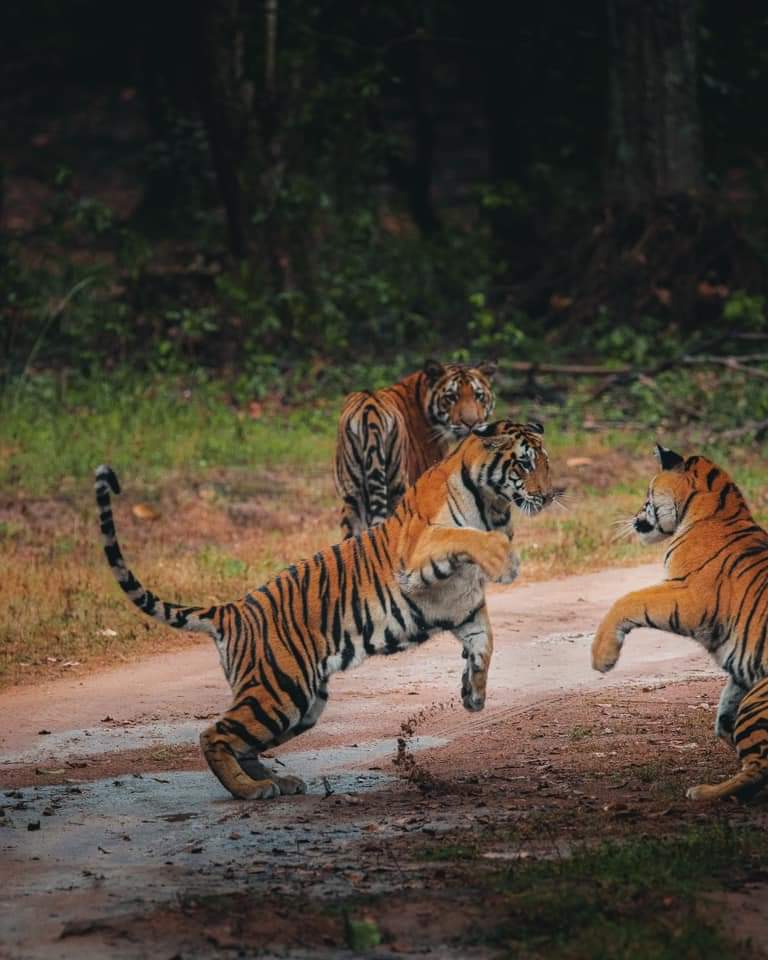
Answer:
(117, 841)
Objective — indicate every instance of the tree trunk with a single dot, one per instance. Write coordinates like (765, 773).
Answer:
(225, 100)
(413, 174)
(274, 168)
(654, 136)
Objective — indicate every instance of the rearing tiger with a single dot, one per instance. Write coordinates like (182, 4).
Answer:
(716, 591)
(421, 571)
(387, 438)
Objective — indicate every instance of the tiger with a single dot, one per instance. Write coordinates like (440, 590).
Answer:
(387, 438)
(421, 571)
(716, 591)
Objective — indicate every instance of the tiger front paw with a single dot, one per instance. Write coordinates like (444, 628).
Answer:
(606, 649)
(472, 697)
(493, 557)
(511, 569)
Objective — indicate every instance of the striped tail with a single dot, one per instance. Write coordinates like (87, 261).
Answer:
(197, 619)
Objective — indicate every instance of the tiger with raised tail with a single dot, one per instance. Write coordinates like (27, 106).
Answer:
(388, 438)
(715, 590)
(421, 571)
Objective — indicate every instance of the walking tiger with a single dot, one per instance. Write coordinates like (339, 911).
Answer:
(421, 571)
(716, 591)
(387, 438)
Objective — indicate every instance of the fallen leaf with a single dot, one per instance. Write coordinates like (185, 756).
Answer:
(145, 511)
(578, 461)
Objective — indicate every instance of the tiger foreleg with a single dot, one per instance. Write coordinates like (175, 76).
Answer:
(438, 552)
(730, 699)
(661, 606)
(476, 639)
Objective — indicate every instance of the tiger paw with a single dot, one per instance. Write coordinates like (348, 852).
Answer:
(605, 652)
(493, 557)
(511, 569)
(290, 785)
(701, 792)
(474, 702)
(246, 789)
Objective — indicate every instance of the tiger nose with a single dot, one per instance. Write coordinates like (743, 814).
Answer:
(468, 418)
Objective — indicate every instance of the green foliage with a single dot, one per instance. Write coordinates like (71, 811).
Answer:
(745, 311)
(163, 423)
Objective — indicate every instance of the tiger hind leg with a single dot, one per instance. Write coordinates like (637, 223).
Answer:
(233, 743)
(750, 737)
(254, 768)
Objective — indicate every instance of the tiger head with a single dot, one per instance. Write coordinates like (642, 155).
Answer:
(514, 465)
(458, 397)
(682, 490)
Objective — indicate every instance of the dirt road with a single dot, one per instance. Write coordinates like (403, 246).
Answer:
(109, 816)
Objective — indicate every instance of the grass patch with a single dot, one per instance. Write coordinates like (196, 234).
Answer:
(450, 852)
(635, 900)
(52, 437)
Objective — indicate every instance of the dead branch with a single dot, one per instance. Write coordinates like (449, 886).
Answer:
(732, 363)
(572, 369)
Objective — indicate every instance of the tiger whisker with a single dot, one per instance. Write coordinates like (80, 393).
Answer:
(625, 529)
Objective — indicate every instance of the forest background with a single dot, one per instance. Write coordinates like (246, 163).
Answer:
(300, 197)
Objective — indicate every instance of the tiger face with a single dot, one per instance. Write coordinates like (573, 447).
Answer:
(518, 470)
(459, 397)
(672, 490)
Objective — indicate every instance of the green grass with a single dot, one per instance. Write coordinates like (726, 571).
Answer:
(636, 900)
(52, 437)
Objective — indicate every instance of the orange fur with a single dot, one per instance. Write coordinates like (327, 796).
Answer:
(715, 590)
(421, 571)
(388, 438)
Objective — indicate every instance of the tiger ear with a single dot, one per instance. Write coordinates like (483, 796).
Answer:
(488, 368)
(433, 369)
(535, 426)
(668, 459)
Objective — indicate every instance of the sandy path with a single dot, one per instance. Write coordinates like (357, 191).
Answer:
(542, 636)
(105, 844)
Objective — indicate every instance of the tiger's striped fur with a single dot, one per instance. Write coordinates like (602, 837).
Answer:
(715, 591)
(750, 737)
(421, 571)
(388, 438)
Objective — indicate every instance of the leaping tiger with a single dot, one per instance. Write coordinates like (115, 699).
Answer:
(715, 591)
(421, 571)
(388, 438)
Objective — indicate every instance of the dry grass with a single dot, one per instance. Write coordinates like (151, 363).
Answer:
(212, 541)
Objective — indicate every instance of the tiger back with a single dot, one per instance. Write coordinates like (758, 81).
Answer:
(422, 571)
(715, 590)
(387, 438)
